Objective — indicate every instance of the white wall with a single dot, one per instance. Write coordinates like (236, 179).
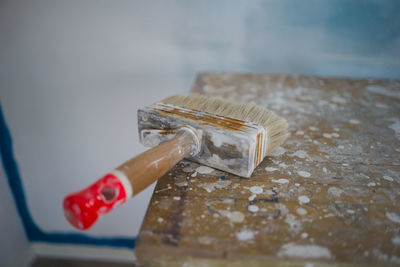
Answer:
(14, 245)
(73, 73)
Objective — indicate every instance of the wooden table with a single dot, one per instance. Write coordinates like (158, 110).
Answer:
(330, 194)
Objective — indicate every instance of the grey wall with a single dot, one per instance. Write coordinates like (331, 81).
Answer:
(73, 73)
(14, 244)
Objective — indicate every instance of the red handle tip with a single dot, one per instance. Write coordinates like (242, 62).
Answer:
(83, 208)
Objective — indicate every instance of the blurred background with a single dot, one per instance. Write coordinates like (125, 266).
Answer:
(73, 74)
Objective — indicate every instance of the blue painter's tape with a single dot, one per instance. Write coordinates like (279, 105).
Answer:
(33, 232)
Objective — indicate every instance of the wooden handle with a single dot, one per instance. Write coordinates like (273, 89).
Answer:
(83, 208)
(149, 166)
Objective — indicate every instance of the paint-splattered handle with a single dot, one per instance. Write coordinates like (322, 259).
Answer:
(83, 208)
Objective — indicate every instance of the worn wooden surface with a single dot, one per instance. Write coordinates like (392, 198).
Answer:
(330, 194)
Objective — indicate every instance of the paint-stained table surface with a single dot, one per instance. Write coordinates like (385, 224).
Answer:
(330, 194)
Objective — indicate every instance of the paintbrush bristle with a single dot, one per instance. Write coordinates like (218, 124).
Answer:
(275, 126)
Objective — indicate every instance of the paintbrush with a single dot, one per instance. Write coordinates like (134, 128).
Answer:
(227, 136)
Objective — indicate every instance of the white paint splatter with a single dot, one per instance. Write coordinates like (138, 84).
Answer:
(385, 257)
(292, 250)
(283, 165)
(380, 90)
(297, 184)
(194, 174)
(354, 121)
(184, 183)
(256, 189)
(205, 240)
(177, 198)
(312, 128)
(160, 220)
(235, 185)
(295, 225)
(217, 138)
(334, 191)
(393, 217)
(253, 208)
(270, 169)
(233, 216)
(396, 240)
(204, 170)
(301, 211)
(300, 154)
(303, 199)
(304, 174)
(326, 135)
(388, 178)
(350, 211)
(396, 128)
(336, 135)
(371, 184)
(339, 100)
(252, 197)
(299, 132)
(245, 235)
(209, 187)
(304, 235)
(280, 181)
(381, 105)
(324, 170)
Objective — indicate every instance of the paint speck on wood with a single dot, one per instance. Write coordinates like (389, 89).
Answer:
(304, 174)
(303, 199)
